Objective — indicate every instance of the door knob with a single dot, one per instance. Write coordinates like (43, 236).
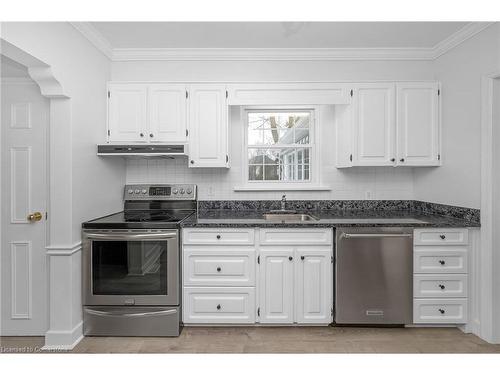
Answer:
(35, 216)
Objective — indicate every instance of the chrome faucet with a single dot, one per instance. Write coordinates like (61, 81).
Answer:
(283, 202)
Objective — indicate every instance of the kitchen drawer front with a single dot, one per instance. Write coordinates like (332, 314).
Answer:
(434, 259)
(219, 305)
(301, 236)
(439, 286)
(436, 236)
(213, 266)
(219, 236)
(443, 311)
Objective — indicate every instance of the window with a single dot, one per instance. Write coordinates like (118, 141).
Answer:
(279, 146)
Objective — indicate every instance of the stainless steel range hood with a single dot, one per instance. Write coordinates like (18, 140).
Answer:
(148, 150)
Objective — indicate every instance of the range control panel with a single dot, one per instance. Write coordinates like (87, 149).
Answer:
(161, 192)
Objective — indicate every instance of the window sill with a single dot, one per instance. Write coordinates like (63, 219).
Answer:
(282, 188)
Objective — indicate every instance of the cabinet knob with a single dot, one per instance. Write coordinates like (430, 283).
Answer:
(151, 135)
(141, 134)
(441, 286)
(393, 160)
(302, 257)
(441, 311)
(218, 236)
(290, 258)
(442, 236)
(219, 269)
(402, 160)
(218, 307)
(442, 262)
(192, 161)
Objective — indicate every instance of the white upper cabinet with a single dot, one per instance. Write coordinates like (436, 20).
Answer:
(373, 124)
(418, 124)
(127, 113)
(167, 113)
(208, 126)
(154, 113)
(390, 124)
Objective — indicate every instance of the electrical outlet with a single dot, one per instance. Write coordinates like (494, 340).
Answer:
(211, 191)
(368, 194)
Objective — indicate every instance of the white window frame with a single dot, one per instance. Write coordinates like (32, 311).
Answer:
(314, 183)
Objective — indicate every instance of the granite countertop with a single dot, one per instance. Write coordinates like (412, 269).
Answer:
(219, 218)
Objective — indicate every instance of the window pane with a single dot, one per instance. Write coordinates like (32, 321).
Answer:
(278, 128)
(255, 172)
(255, 156)
(271, 172)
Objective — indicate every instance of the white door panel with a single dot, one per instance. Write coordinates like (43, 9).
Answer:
(25, 115)
(167, 113)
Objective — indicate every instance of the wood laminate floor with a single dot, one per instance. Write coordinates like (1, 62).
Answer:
(282, 340)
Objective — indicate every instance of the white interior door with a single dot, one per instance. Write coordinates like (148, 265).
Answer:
(25, 116)
(374, 124)
(418, 124)
(276, 286)
(167, 113)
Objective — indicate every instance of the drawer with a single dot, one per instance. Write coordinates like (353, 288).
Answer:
(213, 266)
(439, 286)
(219, 236)
(434, 259)
(219, 305)
(310, 236)
(436, 236)
(444, 311)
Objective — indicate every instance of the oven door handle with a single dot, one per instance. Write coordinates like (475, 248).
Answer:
(135, 236)
(131, 315)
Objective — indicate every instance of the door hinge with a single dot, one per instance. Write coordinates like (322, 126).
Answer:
(187, 95)
(187, 132)
(258, 259)
(350, 157)
(226, 94)
(352, 93)
(439, 92)
(109, 133)
(331, 311)
(258, 311)
(439, 156)
(109, 94)
(333, 259)
(227, 158)
(46, 215)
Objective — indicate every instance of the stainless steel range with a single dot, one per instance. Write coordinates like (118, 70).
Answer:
(131, 263)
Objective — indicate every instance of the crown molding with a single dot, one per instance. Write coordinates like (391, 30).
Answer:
(94, 37)
(277, 54)
(467, 32)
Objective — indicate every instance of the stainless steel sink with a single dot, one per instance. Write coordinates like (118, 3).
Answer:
(289, 217)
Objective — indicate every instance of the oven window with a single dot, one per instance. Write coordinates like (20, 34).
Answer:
(129, 267)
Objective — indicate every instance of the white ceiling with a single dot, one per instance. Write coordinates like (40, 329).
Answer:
(276, 34)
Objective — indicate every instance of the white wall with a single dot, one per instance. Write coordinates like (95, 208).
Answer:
(215, 184)
(457, 182)
(83, 72)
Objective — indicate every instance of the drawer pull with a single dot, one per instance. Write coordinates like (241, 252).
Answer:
(290, 258)
(302, 257)
(219, 269)
(442, 236)
(218, 236)
(441, 286)
(442, 262)
(441, 311)
(218, 307)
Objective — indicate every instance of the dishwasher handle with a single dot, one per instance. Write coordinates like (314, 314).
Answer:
(375, 235)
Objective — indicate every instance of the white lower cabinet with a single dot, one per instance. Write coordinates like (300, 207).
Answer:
(247, 276)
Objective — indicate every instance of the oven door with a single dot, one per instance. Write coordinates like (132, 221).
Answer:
(131, 267)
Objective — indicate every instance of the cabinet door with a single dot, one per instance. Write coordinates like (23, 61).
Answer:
(167, 113)
(127, 120)
(276, 286)
(208, 127)
(418, 124)
(313, 285)
(374, 118)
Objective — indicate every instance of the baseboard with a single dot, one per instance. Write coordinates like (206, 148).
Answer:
(63, 340)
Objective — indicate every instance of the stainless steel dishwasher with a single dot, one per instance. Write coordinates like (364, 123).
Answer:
(374, 276)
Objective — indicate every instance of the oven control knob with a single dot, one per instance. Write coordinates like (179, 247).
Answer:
(130, 191)
(137, 191)
(144, 191)
(182, 191)
(175, 191)
(189, 191)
